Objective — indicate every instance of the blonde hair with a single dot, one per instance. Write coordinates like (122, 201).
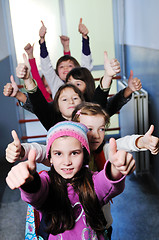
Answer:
(90, 109)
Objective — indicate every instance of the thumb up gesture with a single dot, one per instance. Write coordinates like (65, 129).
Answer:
(149, 141)
(14, 149)
(22, 172)
(122, 163)
(134, 83)
(82, 29)
(10, 89)
(23, 69)
(42, 32)
(112, 66)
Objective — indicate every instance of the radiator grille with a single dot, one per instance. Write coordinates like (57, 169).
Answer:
(133, 119)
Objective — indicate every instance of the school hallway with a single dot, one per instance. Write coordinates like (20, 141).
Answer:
(135, 212)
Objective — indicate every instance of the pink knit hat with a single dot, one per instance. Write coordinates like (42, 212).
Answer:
(67, 128)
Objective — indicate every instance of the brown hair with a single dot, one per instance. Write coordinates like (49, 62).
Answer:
(81, 73)
(90, 109)
(57, 95)
(64, 59)
(57, 208)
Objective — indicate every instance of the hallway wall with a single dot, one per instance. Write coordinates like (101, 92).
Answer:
(145, 63)
(137, 47)
(9, 115)
(141, 54)
(8, 118)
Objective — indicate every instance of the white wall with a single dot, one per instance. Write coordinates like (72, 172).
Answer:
(98, 18)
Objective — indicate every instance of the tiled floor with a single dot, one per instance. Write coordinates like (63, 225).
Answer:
(12, 209)
(135, 212)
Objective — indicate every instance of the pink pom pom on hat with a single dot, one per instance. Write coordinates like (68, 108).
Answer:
(67, 128)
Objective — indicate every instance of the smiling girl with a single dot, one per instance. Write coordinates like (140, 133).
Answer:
(69, 197)
(97, 121)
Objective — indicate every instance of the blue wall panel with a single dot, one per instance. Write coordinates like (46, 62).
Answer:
(145, 64)
(8, 115)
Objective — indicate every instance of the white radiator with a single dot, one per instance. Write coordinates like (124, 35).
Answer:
(133, 119)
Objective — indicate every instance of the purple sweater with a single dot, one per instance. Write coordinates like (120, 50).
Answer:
(105, 190)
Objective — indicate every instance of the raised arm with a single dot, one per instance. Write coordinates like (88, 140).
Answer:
(11, 90)
(134, 84)
(65, 41)
(148, 141)
(22, 173)
(44, 111)
(86, 57)
(136, 143)
(35, 73)
(112, 67)
(122, 163)
(42, 32)
(23, 72)
(116, 102)
(52, 78)
(16, 151)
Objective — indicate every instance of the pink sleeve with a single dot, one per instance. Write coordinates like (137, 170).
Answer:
(67, 53)
(106, 188)
(36, 76)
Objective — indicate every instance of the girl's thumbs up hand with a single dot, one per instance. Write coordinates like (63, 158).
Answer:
(23, 172)
(112, 66)
(149, 141)
(23, 69)
(83, 29)
(14, 149)
(122, 163)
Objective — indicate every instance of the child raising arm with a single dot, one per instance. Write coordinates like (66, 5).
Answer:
(16, 151)
(95, 119)
(65, 41)
(11, 90)
(35, 73)
(68, 150)
(66, 99)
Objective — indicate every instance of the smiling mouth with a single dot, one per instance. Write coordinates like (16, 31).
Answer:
(67, 170)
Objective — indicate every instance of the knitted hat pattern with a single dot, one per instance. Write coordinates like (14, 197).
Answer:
(67, 128)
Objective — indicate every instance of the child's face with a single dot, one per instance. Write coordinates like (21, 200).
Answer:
(78, 83)
(96, 126)
(67, 102)
(67, 156)
(64, 68)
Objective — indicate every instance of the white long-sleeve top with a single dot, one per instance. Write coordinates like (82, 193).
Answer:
(53, 79)
(126, 143)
